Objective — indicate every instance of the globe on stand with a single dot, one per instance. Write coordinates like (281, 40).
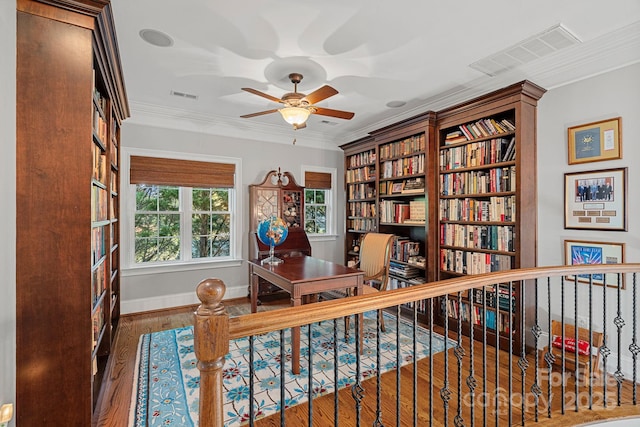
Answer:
(272, 231)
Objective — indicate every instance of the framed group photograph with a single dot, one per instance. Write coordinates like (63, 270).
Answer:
(594, 142)
(596, 200)
(579, 252)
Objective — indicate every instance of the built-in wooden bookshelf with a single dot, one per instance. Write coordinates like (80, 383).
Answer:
(486, 206)
(386, 185)
(70, 105)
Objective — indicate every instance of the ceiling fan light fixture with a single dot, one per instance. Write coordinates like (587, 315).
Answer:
(295, 115)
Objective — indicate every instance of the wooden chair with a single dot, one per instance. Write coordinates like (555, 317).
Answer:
(597, 340)
(375, 256)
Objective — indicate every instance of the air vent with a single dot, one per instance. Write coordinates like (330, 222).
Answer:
(327, 122)
(184, 95)
(545, 43)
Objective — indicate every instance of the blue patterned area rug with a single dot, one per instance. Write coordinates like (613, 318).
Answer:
(167, 381)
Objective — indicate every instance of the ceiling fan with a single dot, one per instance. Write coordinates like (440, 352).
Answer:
(298, 106)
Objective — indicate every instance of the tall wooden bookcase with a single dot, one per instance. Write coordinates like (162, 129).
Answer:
(387, 192)
(70, 105)
(486, 207)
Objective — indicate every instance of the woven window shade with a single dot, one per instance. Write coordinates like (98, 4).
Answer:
(317, 180)
(181, 173)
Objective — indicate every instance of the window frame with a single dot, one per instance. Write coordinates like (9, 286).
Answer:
(128, 209)
(330, 202)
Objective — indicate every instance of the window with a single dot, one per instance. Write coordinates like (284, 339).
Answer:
(184, 212)
(319, 201)
(315, 211)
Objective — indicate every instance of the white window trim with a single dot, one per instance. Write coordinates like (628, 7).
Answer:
(127, 210)
(332, 219)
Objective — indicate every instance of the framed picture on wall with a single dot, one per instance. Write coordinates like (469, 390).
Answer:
(594, 142)
(596, 200)
(580, 252)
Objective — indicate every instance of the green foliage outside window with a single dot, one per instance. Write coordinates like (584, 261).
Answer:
(315, 211)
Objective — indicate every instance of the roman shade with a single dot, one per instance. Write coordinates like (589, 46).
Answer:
(181, 173)
(317, 180)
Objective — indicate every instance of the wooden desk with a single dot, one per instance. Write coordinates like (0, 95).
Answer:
(299, 276)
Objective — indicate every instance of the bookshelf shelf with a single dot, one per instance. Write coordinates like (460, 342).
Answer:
(486, 210)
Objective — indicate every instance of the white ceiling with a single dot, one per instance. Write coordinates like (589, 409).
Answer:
(372, 51)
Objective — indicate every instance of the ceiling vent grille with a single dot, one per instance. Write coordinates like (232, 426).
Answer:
(545, 43)
(184, 95)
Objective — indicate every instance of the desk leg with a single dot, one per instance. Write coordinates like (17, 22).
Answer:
(295, 342)
(254, 291)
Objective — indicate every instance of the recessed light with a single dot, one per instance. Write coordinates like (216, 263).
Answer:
(156, 38)
(396, 104)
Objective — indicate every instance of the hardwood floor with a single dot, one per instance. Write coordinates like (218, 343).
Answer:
(114, 401)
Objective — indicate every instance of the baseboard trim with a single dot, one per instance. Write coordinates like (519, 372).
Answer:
(142, 305)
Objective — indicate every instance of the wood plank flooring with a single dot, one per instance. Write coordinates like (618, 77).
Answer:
(113, 406)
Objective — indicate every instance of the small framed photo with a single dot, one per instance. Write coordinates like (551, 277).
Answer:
(594, 142)
(596, 200)
(579, 252)
(396, 188)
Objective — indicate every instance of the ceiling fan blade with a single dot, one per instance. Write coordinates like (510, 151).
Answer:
(262, 94)
(318, 95)
(247, 116)
(333, 113)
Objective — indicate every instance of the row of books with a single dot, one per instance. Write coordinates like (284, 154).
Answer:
(405, 147)
(98, 282)
(474, 314)
(361, 191)
(404, 248)
(402, 167)
(98, 244)
(479, 129)
(361, 174)
(478, 153)
(99, 165)
(99, 203)
(478, 181)
(497, 208)
(405, 271)
(361, 224)
(399, 213)
(504, 296)
(362, 159)
(468, 262)
(99, 126)
(492, 237)
(362, 209)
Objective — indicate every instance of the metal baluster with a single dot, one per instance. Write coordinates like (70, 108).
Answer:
(398, 365)
(604, 350)
(563, 335)
(415, 362)
(251, 390)
(485, 402)
(575, 332)
(378, 420)
(619, 322)
(471, 380)
(283, 358)
(336, 377)
(459, 353)
(310, 378)
(633, 347)
(590, 342)
(549, 357)
(510, 357)
(497, 337)
(523, 363)
(357, 392)
(537, 330)
(445, 394)
(431, 361)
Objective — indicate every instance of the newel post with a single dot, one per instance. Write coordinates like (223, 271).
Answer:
(211, 344)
